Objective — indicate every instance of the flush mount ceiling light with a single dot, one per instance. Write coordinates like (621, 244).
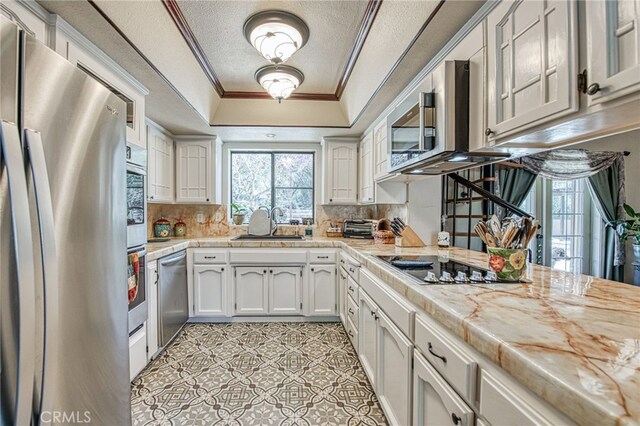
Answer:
(276, 34)
(279, 81)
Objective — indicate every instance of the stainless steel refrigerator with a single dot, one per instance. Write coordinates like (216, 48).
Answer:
(63, 293)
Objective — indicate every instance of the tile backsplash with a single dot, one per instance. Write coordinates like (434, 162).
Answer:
(215, 221)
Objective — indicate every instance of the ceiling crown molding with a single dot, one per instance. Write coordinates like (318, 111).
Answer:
(183, 26)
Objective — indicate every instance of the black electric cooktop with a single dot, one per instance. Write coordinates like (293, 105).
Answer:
(433, 270)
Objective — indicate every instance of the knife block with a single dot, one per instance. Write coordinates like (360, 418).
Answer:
(408, 238)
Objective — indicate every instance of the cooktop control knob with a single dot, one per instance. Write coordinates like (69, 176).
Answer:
(431, 278)
(461, 277)
(446, 277)
(476, 277)
(491, 277)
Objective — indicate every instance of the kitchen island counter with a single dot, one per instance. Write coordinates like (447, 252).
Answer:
(572, 339)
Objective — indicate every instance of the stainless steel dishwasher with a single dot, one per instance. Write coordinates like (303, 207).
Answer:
(173, 305)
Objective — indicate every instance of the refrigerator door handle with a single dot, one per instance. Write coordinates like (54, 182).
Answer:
(42, 189)
(12, 154)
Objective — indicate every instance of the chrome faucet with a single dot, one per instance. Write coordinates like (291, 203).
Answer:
(273, 220)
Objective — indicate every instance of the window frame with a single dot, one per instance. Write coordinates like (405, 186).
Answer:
(273, 186)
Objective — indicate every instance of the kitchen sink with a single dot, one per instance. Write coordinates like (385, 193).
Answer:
(269, 237)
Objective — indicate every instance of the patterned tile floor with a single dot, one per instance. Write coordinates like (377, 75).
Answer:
(256, 374)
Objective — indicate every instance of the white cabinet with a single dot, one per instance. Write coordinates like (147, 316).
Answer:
(365, 168)
(380, 150)
(85, 55)
(251, 290)
(285, 290)
(500, 404)
(340, 169)
(195, 175)
(29, 16)
(368, 336)
(152, 309)
(210, 289)
(394, 359)
(613, 48)
(342, 295)
(137, 351)
(160, 183)
(321, 288)
(532, 55)
(435, 403)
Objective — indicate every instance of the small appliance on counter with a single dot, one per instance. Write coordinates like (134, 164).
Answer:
(357, 228)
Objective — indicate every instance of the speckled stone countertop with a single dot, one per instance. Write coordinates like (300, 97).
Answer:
(572, 339)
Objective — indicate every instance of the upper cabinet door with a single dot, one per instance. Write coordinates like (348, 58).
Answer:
(380, 150)
(613, 48)
(365, 166)
(532, 56)
(194, 166)
(159, 166)
(341, 173)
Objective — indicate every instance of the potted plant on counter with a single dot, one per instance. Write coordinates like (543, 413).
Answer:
(630, 228)
(238, 213)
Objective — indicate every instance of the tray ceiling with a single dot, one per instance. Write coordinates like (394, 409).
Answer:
(217, 27)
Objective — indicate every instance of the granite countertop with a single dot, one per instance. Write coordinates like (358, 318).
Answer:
(574, 340)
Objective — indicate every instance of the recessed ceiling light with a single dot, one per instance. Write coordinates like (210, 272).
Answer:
(276, 34)
(279, 81)
(270, 135)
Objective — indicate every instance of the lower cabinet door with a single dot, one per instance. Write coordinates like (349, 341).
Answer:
(435, 403)
(285, 290)
(210, 290)
(322, 290)
(394, 358)
(368, 335)
(251, 293)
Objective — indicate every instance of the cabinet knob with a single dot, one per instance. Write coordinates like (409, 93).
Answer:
(271, 271)
(222, 269)
(331, 200)
(455, 419)
(313, 269)
(265, 271)
(593, 89)
(489, 132)
(207, 200)
(151, 197)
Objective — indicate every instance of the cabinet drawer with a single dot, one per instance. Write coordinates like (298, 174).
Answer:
(350, 265)
(322, 257)
(499, 404)
(137, 352)
(352, 288)
(352, 332)
(205, 257)
(280, 256)
(400, 312)
(455, 365)
(352, 311)
(434, 401)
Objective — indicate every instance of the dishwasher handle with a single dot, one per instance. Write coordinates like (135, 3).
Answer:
(172, 259)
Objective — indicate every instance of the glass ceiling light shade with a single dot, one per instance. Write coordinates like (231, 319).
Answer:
(276, 34)
(279, 81)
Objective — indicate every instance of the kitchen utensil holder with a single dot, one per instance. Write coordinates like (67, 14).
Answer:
(409, 238)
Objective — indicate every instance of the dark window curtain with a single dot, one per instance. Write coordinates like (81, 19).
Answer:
(606, 188)
(513, 186)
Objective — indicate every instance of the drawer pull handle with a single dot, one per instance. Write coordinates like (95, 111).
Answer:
(444, 359)
(350, 288)
(351, 311)
(210, 257)
(352, 270)
(455, 419)
(373, 313)
(322, 257)
(350, 333)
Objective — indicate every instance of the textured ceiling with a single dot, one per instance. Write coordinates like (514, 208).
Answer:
(333, 27)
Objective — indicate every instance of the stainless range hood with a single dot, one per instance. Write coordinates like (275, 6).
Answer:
(449, 131)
